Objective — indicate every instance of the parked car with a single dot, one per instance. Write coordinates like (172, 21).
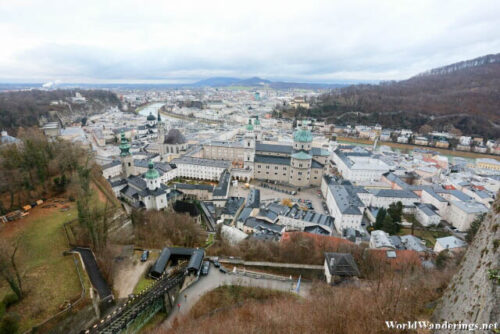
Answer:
(223, 270)
(205, 268)
(145, 256)
(216, 262)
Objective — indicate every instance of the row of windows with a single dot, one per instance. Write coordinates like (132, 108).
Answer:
(268, 167)
(267, 173)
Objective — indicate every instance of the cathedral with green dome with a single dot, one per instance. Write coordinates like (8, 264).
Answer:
(299, 164)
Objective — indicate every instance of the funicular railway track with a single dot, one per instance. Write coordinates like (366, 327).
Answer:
(121, 318)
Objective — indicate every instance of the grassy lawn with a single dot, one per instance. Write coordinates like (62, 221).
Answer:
(428, 236)
(144, 283)
(210, 240)
(50, 278)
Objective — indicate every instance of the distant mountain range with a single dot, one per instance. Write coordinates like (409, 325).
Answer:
(215, 82)
(464, 95)
(259, 82)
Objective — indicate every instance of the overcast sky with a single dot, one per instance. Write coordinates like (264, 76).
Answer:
(182, 41)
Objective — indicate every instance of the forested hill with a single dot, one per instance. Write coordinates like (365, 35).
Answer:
(25, 108)
(465, 95)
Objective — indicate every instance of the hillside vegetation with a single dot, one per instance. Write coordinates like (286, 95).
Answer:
(465, 95)
(25, 108)
(399, 296)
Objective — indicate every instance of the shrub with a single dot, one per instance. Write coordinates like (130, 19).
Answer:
(496, 244)
(2, 309)
(9, 324)
(10, 299)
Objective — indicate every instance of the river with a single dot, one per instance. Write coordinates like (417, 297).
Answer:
(151, 108)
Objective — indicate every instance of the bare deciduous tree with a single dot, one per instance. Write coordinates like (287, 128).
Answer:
(9, 269)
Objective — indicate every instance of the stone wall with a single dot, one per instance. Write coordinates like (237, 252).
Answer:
(472, 296)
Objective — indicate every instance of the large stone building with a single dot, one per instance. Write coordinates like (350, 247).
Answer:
(299, 165)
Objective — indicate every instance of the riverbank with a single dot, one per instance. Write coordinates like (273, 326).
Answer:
(188, 118)
(462, 154)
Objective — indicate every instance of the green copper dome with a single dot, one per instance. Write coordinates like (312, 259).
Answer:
(303, 135)
(152, 173)
(249, 125)
(124, 145)
(301, 156)
(257, 121)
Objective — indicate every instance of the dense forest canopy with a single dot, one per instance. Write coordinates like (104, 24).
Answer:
(465, 95)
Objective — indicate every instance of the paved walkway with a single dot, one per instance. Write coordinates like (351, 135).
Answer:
(93, 272)
(215, 279)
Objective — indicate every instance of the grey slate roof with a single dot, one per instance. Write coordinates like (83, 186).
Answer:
(275, 148)
(162, 167)
(117, 183)
(316, 164)
(253, 199)
(232, 205)
(137, 182)
(156, 192)
(319, 151)
(427, 209)
(394, 178)
(189, 186)
(309, 216)
(111, 164)
(222, 187)
(316, 229)
(344, 156)
(269, 159)
(411, 242)
(403, 193)
(346, 202)
(341, 264)
(245, 213)
(261, 225)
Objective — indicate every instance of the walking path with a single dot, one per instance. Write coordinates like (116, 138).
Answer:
(214, 279)
(93, 271)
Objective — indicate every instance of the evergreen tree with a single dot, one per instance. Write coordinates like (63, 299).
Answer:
(389, 225)
(396, 211)
(379, 220)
